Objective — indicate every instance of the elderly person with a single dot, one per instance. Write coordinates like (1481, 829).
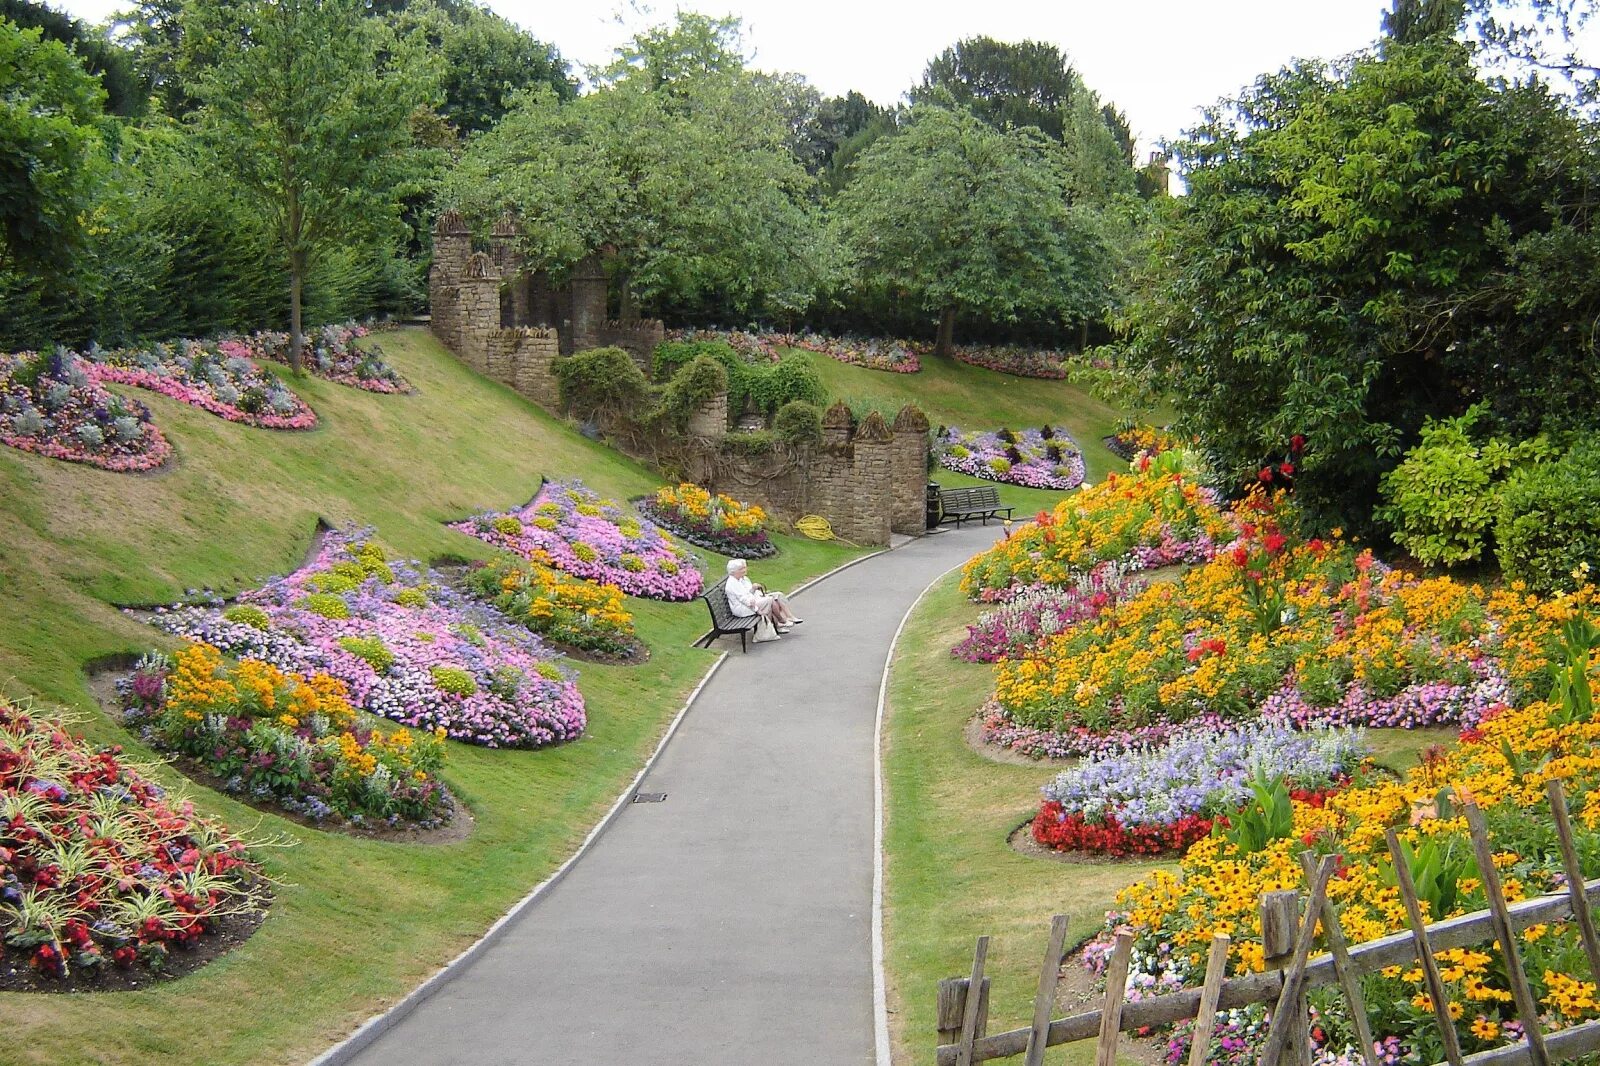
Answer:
(746, 598)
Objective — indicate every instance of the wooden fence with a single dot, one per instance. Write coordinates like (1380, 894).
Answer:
(1288, 938)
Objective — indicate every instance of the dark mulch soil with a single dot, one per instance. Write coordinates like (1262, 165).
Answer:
(1121, 450)
(225, 935)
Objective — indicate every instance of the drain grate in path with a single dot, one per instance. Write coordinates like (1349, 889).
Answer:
(649, 797)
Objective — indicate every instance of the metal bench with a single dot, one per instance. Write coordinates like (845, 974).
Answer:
(977, 501)
(723, 620)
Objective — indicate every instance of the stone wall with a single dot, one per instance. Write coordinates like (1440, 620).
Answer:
(639, 337)
(909, 503)
(711, 420)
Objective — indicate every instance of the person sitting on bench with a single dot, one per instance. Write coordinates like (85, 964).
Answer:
(746, 598)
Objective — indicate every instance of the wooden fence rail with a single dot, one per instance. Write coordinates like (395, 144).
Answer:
(1287, 937)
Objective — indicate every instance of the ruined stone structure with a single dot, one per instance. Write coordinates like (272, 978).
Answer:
(510, 325)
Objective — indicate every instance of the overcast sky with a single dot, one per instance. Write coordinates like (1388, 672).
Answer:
(1158, 60)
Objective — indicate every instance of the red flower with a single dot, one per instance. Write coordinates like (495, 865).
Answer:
(1241, 556)
(1274, 542)
(1297, 443)
(1286, 469)
(1265, 474)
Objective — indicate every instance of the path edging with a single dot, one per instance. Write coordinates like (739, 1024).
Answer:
(374, 1027)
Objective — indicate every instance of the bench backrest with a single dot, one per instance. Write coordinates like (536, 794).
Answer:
(972, 496)
(716, 598)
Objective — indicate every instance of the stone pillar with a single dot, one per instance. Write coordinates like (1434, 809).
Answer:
(836, 425)
(711, 420)
(480, 311)
(452, 246)
(588, 303)
(535, 368)
(910, 471)
(871, 499)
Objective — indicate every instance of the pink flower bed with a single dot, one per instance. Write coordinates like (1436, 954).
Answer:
(203, 375)
(891, 356)
(756, 347)
(333, 352)
(571, 528)
(52, 406)
(409, 647)
(1037, 458)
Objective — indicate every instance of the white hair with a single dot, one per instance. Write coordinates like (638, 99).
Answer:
(736, 565)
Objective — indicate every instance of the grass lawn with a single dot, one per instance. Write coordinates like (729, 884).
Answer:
(950, 874)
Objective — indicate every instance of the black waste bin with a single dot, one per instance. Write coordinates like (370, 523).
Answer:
(935, 512)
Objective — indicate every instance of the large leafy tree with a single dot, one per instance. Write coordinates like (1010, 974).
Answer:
(678, 167)
(112, 64)
(1027, 83)
(964, 218)
(1358, 251)
(49, 109)
(306, 104)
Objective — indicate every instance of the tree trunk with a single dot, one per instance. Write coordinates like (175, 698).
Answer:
(297, 338)
(947, 332)
(1083, 336)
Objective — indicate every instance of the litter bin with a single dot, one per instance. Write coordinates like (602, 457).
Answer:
(935, 512)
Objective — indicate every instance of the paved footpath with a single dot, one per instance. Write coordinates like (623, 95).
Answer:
(732, 923)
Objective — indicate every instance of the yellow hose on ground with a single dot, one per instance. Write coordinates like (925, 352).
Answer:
(814, 526)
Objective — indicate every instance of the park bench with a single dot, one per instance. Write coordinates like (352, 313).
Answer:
(978, 501)
(723, 620)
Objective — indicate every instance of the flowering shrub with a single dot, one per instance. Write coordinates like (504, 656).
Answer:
(1146, 519)
(1159, 799)
(331, 352)
(51, 405)
(1014, 628)
(574, 530)
(720, 523)
(290, 739)
(895, 357)
(97, 868)
(1502, 764)
(401, 641)
(215, 377)
(577, 613)
(1038, 458)
(1130, 441)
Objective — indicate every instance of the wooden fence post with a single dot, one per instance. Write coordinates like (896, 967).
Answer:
(1280, 921)
(1205, 1018)
(1105, 1052)
(953, 1007)
(1419, 937)
(974, 1014)
(1569, 862)
(1527, 1007)
(1349, 980)
(1289, 1036)
(1044, 999)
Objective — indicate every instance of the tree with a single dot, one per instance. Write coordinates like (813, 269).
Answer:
(1029, 83)
(49, 107)
(1414, 21)
(113, 65)
(307, 107)
(965, 218)
(1359, 251)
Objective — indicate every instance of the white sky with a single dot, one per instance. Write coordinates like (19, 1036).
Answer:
(1158, 60)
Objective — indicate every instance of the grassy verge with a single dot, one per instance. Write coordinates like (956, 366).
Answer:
(357, 923)
(950, 874)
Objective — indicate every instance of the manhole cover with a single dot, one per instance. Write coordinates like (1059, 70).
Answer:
(649, 797)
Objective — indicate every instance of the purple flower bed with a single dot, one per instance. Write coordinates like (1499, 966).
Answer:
(53, 406)
(1204, 772)
(571, 528)
(203, 375)
(1427, 703)
(333, 352)
(409, 647)
(999, 729)
(1037, 458)
(1010, 630)
(890, 356)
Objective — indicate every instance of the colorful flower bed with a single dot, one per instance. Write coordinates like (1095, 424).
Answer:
(1155, 800)
(52, 406)
(569, 611)
(1314, 633)
(1014, 628)
(331, 352)
(756, 347)
(573, 529)
(891, 356)
(719, 523)
(98, 869)
(287, 739)
(1043, 458)
(1145, 520)
(1131, 441)
(213, 377)
(1017, 361)
(1502, 764)
(408, 647)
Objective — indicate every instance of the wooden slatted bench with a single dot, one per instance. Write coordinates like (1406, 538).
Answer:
(977, 501)
(723, 620)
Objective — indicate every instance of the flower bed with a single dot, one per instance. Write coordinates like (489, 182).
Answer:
(1310, 633)
(574, 530)
(408, 647)
(1017, 361)
(1014, 628)
(286, 739)
(756, 347)
(1129, 442)
(204, 375)
(98, 870)
(1161, 799)
(52, 406)
(1037, 458)
(1503, 764)
(333, 352)
(570, 611)
(1146, 519)
(890, 356)
(719, 523)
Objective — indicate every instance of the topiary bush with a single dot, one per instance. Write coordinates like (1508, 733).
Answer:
(1442, 500)
(798, 423)
(1549, 521)
(602, 381)
(695, 384)
(785, 382)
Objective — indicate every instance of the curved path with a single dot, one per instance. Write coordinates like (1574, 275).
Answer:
(730, 924)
